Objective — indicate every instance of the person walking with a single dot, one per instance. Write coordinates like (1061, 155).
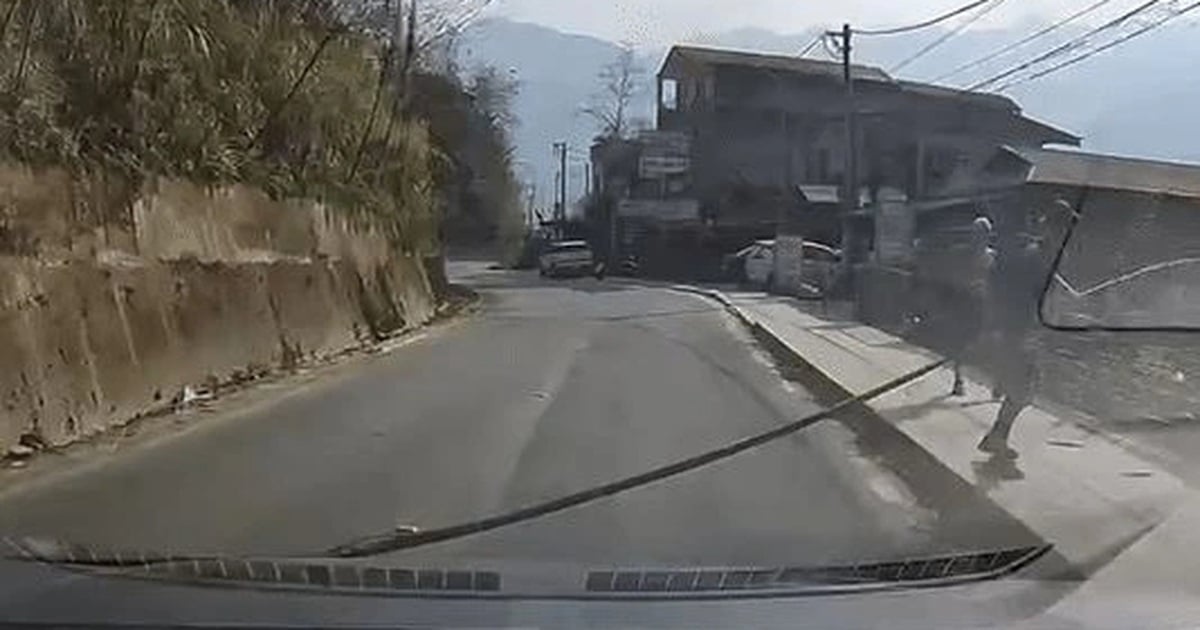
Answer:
(1017, 281)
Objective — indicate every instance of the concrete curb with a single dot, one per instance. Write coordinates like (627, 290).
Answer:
(754, 324)
(720, 298)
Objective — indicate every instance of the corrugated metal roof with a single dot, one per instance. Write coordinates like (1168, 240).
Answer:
(1036, 130)
(1076, 168)
(784, 63)
(978, 98)
(832, 69)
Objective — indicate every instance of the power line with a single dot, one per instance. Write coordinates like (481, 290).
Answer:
(947, 35)
(811, 45)
(829, 44)
(1025, 40)
(1116, 42)
(1066, 47)
(926, 24)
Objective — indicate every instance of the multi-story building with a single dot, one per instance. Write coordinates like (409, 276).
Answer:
(767, 145)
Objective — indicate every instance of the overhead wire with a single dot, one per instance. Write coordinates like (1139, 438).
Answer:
(816, 41)
(947, 35)
(1091, 53)
(1040, 33)
(926, 24)
(829, 44)
(1067, 46)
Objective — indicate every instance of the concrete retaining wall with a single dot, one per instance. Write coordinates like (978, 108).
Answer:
(104, 320)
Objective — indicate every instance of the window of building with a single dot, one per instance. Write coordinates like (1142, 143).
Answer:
(670, 94)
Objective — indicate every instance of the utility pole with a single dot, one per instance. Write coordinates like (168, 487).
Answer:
(562, 165)
(560, 207)
(850, 195)
(407, 26)
(557, 200)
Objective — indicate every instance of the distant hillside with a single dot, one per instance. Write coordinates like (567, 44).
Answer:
(557, 73)
(1136, 99)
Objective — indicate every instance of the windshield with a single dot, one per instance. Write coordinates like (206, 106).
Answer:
(586, 288)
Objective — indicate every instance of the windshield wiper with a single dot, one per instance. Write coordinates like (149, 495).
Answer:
(397, 540)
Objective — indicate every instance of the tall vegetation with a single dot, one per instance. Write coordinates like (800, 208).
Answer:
(470, 118)
(298, 97)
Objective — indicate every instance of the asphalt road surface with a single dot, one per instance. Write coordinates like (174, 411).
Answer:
(554, 386)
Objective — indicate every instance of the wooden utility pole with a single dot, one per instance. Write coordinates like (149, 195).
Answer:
(850, 185)
(560, 205)
(562, 166)
(405, 29)
(557, 199)
(560, 198)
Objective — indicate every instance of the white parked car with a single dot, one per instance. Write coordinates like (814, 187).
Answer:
(755, 265)
(566, 258)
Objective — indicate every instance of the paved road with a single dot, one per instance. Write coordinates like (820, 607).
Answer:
(554, 386)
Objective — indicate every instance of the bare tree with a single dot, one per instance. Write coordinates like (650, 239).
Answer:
(441, 19)
(619, 84)
(493, 93)
(421, 27)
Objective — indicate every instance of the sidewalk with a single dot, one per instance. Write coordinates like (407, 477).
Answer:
(1115, 516)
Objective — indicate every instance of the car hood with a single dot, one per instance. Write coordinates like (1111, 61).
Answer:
(204, 592)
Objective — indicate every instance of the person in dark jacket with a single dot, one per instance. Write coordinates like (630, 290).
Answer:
(1017, 281)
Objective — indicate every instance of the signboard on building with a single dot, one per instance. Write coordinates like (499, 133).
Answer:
(658, 166)
(663, 154)
(660, 209)
(664, 142)
(819, 193)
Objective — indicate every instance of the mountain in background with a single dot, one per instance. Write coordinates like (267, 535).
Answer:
(557, 74)
(1137, 99)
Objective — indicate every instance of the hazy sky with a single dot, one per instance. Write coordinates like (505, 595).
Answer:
(660, 21)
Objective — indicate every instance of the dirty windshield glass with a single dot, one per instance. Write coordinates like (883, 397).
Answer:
(1146, 276)
(337, 311)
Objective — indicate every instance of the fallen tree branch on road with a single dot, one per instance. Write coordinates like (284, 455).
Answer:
(398, 540)
(410, 538)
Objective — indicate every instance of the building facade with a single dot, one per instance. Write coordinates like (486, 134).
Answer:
(768, 147)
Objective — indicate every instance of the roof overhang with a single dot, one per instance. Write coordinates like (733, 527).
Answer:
(1109, 172)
